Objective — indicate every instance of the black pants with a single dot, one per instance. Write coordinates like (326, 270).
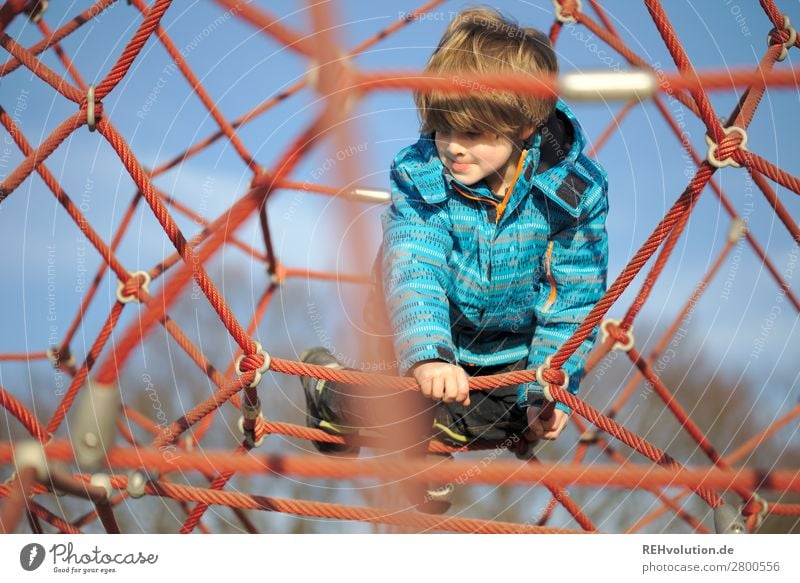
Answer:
(491, 415)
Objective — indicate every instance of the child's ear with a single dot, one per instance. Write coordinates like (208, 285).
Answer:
(525, 133)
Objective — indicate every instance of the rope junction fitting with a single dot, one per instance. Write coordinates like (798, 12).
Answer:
(567, 17)
(711, 157)
(605, 332)
(260, 370)
(144, 284)
(774, 39)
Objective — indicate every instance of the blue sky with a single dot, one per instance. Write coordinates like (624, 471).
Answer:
(157, 113)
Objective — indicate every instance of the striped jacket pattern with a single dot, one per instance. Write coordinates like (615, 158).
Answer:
(470, 279)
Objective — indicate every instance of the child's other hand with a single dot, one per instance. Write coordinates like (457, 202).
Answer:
(442, 381)
(545, 423)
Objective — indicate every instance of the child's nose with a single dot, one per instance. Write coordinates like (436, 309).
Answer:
(454, 148)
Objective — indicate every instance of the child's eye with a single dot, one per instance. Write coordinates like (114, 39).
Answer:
(473, 135)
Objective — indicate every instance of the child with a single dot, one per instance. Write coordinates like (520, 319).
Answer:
(494, 246)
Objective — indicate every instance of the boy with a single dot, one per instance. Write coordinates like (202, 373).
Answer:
(494, 247)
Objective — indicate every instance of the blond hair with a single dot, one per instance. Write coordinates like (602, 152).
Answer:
(483, 41)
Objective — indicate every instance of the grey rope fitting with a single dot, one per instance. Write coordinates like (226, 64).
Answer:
(737, 230)
(787, 26)
(30, 454)
(762, 514)
(61, 357)
(727, 520)
(137, 481)
(104, 482)
(38, 11)
(561, 17)
(91, 120)
(711, 157)
(250, 436)
(546, 385)
(122, 298)
(260, 370)
(604, 334)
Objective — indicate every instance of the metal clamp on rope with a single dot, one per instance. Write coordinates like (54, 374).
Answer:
(762, 513)
(726, 520)
(250, 436)
(61, 357)
(91, 121)
(30, 454)
(102, 481)
(260, 370)
(37, 12)
(605, 333)
(567, 18)
(589, 437)
(711, 157)
(737, 230)
(772, 34)
(545, 384)
(145, 283)
(137, 481)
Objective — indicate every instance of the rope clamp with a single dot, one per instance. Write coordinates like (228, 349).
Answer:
(711, 157)
(605, 333)
(123, 299)
(250, 437)
(737, 230)
(762, 514)
(589, 437)
(102, 481)
(57, 356)
(38, 11)
(787, 26)
(570, 18)
(546, 385)
(260, 370)
(90, 117)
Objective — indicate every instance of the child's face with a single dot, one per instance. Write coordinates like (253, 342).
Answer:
(471, 157)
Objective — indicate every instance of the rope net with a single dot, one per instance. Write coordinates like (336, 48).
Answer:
(128, 467)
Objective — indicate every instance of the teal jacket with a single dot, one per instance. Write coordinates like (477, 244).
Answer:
(469, 279)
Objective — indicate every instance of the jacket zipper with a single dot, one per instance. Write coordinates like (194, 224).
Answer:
(499, 210)
(548, 256)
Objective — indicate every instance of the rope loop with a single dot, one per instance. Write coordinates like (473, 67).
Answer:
(37, 11)
(260, 370)
(127, 293)
(91, 118)
(61, 356)
(624, 340)
(744, 509)
(774, 38)
(545, 384)
(250, 436)
(728, 145)
(737, 230)
(566, 10)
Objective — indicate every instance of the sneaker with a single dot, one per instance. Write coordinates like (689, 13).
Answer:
(313, 389)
